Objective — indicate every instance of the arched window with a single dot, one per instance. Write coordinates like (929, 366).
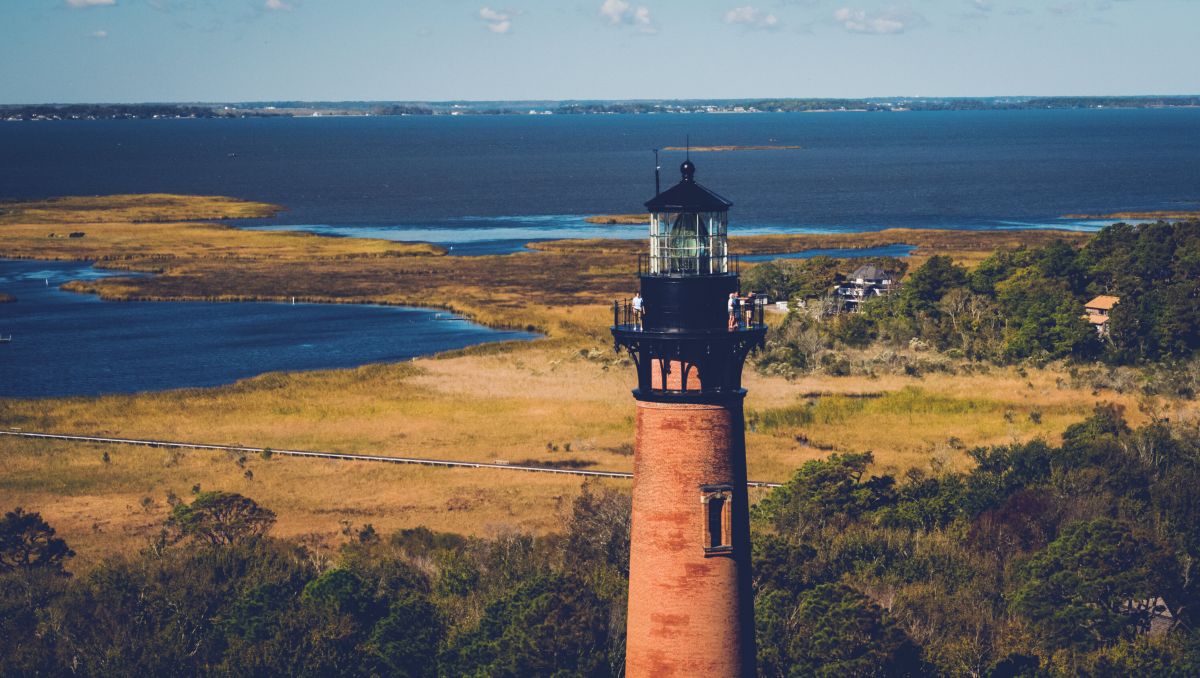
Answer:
(717, 502)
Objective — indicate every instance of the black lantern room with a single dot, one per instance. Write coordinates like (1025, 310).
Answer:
(688, 229)
(694, 330)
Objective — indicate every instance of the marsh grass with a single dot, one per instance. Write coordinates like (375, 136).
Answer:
(104, 508)
(963, 246)
(907, 402)
(134, 208)
(482, 407)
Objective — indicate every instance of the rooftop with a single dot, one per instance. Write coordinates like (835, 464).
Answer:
(1103, 302)
(869, 272)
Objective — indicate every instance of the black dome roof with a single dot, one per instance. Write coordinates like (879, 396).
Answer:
(688, 196)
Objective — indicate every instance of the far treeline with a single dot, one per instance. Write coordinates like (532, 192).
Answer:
(1024, 304)
(787, 105)
(104, 111)
(931, 104)
(1077, 560)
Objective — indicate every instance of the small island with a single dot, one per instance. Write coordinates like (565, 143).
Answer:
(6, 298)
(621, 219)
(1166, 215)
(717, 149)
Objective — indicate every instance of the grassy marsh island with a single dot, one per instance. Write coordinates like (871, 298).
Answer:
(963, 246)
(1163, 215)
(561, 398)
(621, 219)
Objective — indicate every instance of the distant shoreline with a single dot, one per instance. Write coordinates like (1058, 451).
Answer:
(297, 109)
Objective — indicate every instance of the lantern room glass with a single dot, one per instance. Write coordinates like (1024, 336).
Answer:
(689, 243)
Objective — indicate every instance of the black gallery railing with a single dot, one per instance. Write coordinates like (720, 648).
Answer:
(749, 313)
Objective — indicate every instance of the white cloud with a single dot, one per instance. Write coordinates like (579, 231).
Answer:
(91, 3)
(982, 5)
(1079, 7)
(489, 14)
(876, 23)
(497, 22)
(751, 17)
(98, 34)
(622, 13)
(277, 5)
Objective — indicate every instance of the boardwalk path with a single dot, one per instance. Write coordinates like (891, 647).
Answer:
(332, 455)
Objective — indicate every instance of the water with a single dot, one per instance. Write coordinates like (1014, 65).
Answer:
(74, 344)
(487, 183)
(491, 184)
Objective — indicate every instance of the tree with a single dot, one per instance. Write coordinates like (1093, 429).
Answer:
(790, 279)
(221, 518)
(1175, 655)
(812, 278)
(1043, 317)
(767, 277)
(792, 345)
(28, 543)
(928, 284)
(854, 329)
(830, 630)
(552, 625)
(405, 643)
(344, 591)
(975, 321)
(598, 529)
(1093, 585)
(824, 491)
(31, 578)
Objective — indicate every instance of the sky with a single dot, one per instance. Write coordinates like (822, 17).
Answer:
(71, 51)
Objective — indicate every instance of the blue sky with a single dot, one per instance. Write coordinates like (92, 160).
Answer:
(237, 50)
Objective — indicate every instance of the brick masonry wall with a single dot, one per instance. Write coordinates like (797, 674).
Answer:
(690, 614)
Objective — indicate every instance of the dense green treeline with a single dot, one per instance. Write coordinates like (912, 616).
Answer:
(1079, 560)
(214, 596)
(1026, 304)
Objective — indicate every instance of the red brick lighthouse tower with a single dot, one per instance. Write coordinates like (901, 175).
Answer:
(691, 608)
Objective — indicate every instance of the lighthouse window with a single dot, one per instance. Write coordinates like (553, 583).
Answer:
(688, 243)
(716, 501)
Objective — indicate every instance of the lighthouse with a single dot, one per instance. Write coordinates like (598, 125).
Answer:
(691, 606)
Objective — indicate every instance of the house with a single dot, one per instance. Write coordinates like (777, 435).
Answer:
(866, 282)
(1096, 312)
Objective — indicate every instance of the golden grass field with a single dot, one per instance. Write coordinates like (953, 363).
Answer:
(515, 402)
(102, 508)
